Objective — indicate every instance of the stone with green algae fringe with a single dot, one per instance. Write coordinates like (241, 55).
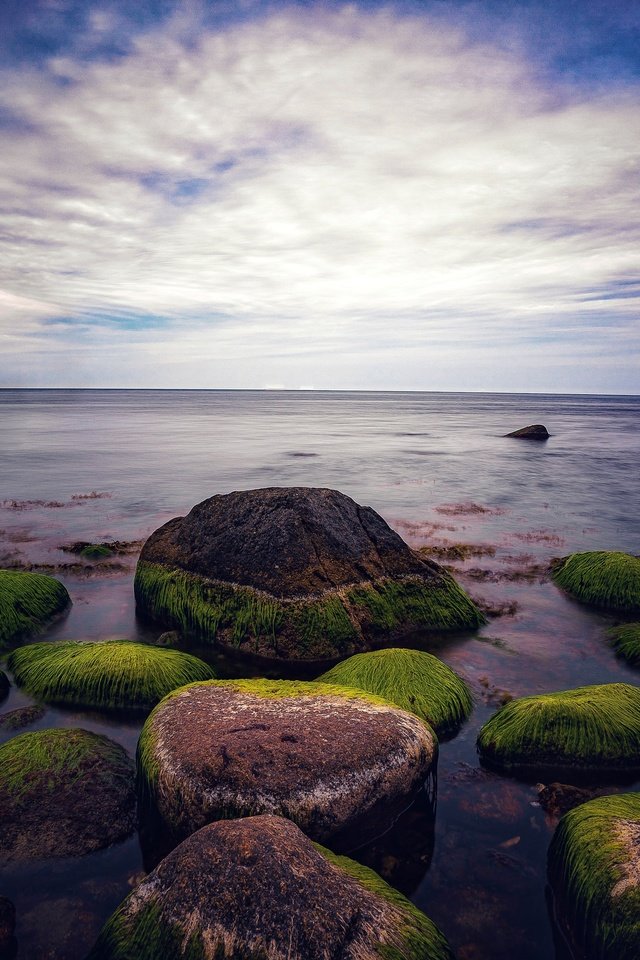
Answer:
(28, 602)
(414, 680)
(115, 674)
(625, 640)
(607, 579)
(594, 869)
(593, 728)
(258, 889)
(293, 573)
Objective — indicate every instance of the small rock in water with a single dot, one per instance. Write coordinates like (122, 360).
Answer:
(22, 717)
(556, 799)
(535, 431)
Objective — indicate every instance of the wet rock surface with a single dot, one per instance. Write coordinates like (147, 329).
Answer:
(63, 793)
(535, 431)
(21, 717)
(257, 888)
(317, 754)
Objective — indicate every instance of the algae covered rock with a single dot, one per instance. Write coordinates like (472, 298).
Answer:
(63, 793)
(321, 755)
(535, 431)
(594, 869)
(625, 640)
(116, 674)
(595, 728)
(602, 578)
(416, 681)
(28, 602)
(257, 888)
(293, 573)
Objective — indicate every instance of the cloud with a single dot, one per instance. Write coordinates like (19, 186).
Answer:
(367, 185)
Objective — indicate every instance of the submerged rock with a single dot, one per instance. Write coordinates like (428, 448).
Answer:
(293, 573)
(625, 640)
(595, 728)
(116, 674)
(556, 799)
(257, 888)
(602, 578)
(594, 869)
(28, 602)
(21, 717)
(535, 431)
(63, 793)
(416, 681)
(321, 755)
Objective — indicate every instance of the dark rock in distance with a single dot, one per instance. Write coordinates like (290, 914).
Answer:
(257, 888)
(293, 573)
(536, 431)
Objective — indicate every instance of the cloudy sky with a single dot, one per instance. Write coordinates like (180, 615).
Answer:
(439, 195)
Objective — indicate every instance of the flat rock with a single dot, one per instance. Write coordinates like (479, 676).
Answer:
(63, 793)
(258, 888)
(535, 431)
(321, 755)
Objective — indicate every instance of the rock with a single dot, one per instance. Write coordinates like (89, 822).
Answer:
(324, 756)
(595, 728)
(170, 638)
(556, 799)
(28, 603)
(625, 640)
(7, 924)
(258, 888)
(536, 431)
(594, 870)
(21, 717)
(416, 681)
(116, 674)
(293, 573)
(5, 686)
(63, 793)
(601, 578)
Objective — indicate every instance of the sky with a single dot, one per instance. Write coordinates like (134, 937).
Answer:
(426, 196)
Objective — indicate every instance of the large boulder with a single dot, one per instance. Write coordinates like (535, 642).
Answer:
(28, 603)
(602, 578)
(117, 674)
(594, 869)
(293, 573)
(326, 757)
(535, 431)
(63, 793)
(416, 681)
(257, 888)
(594, 728)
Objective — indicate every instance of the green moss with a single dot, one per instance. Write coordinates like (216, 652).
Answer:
(588, 857)
(35, 764)
(626, 642)
(416, 681)
(28, 601)
(591, 728)
(147, 936)
(315, 628)
(116, 674)
(96, 551)
(604, 579)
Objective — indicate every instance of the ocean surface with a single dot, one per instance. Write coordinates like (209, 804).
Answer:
(103, 465)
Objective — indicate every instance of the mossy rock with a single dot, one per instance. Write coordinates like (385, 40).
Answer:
(293, 573)
(63, 793)
(326, 757)
(595, 728)
(117, 674)
(258, 889)
(416, 681)
(602, 578)
(28, 603)
(625, 640)
(594, 869)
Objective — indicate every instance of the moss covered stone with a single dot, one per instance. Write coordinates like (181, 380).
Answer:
(258, 889)
(595, 728)
(116, 674)
(602, 578)
(416, 681)
(594, 869)
(28, 602)
(293, 573)
(63, 793)
(625, 640)
(324, 756)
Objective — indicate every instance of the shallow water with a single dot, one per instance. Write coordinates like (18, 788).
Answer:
(102, 465)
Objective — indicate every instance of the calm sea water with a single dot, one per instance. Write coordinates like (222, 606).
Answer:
(100, 465)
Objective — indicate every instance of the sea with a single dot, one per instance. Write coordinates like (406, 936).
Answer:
(113, 465)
